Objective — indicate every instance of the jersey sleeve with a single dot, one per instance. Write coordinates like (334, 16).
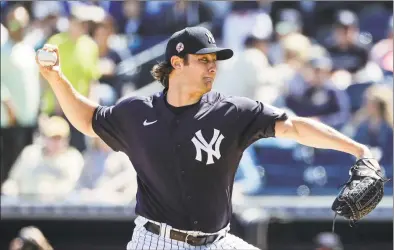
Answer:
(110, 124)
(257, 120)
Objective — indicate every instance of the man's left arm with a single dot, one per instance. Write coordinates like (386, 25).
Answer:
(318, 135)
(365, 188)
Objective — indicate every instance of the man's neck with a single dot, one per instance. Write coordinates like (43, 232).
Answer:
(16, 38)
(75, 36)
(344, 45)
(179, 97)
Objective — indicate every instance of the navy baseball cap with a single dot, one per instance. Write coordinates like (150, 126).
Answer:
(195, 40)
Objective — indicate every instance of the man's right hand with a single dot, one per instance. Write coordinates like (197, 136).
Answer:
(50, 73)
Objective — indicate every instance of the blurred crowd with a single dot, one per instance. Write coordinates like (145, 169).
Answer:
(331, 61)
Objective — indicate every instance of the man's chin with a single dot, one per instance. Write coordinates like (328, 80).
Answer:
(208, 84)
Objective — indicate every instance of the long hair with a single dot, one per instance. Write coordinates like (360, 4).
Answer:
(161, 71)
(383, 98)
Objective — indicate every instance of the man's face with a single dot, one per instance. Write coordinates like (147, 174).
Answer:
(200, 72)
(372, 107)
(55, 144)
(318, 76)
(76, 27)
(101, 34)
(345, 35)
(17, 20)
(132, 9)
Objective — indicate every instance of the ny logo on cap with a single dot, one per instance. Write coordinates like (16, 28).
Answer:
(210, 37)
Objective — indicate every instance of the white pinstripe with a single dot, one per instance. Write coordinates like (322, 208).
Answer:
(143, 239)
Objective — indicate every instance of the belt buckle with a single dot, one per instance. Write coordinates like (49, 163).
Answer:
(186, 238)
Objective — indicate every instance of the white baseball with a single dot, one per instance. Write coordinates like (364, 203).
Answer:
(46, 58)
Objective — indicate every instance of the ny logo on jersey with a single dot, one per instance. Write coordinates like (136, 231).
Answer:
(210, 37)
(201, 144)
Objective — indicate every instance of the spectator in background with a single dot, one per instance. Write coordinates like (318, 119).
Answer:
(219, 8)
(249, 70)
(376, 122)
(48, 16)
(4, 34)
(48, 170)
(132, 13)
(116, 10)
(7, 109)
(95, 157)
(289, 74)
(109, 58)
(119, 180)
(321, 99)
(176, 16)
(8, 113)
(30, 238)
(8, 118)
(107, 176)
(382, 52)
(20, 83)
(249, 175)
(241, 21)
(346, 50)
(185, 14)
(152, 10)
(289, 22)
(79, 55)
(328, 241)
(97, 151)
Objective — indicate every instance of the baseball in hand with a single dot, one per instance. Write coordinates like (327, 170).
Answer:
(46, 58)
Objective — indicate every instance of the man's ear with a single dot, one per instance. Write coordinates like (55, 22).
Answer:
(176, 62)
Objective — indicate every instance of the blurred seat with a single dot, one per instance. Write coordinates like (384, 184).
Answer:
(388, 171)
(325, 179)
(276, 151)
(331, 180)
(144, 43)
(282, 179)
(355, 92)
(296, 179)
(328, 157)
(374, 20)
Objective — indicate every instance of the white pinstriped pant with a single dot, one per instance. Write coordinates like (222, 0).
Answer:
(143, 239)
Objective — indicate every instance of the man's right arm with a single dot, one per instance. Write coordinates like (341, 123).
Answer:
(77, 108)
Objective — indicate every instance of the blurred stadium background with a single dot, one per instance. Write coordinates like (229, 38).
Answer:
(332, 61)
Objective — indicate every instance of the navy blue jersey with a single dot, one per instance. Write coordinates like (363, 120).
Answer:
(185, 162)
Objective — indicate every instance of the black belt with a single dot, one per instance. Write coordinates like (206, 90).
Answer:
(184, 237)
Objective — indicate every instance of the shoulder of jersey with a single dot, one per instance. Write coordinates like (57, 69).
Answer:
(148, 100)
(214, 97)
(240, 102)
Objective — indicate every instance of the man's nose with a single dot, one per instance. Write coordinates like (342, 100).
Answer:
(212, 67)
